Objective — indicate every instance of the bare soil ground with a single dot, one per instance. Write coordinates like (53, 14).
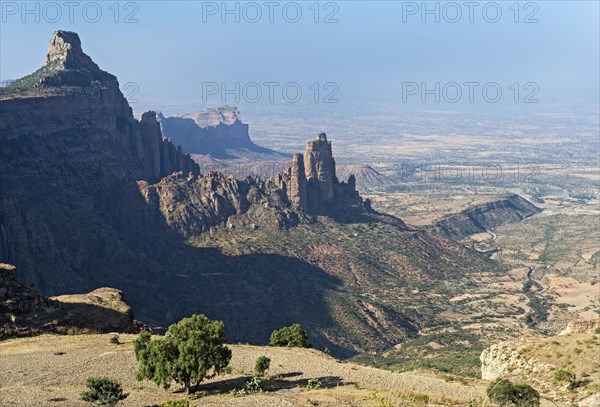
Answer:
(51, 370)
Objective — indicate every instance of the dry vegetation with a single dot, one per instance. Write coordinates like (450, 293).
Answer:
(51, 370)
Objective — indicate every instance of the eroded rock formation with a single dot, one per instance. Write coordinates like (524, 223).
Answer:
(24, 311)
(70, 92)
(310, 183)
(582, 327)
(484, 217)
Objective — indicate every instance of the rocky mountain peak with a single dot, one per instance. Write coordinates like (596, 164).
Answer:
(66, 69)
(65, 49)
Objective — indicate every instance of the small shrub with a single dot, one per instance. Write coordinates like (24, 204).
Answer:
(291, 336)
(252, 386)
(175, 403)
(421, 399)
(314, 384)
(597, 331)
(114, 340)
(262, 365)
(103, 391)
(504, 393)
(566, 376)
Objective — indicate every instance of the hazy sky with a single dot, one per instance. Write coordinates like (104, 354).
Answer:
(366, 48)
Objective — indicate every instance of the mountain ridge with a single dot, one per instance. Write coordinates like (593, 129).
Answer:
(92, 197)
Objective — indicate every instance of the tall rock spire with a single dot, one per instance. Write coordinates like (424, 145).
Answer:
(320, 167)
(297, 189)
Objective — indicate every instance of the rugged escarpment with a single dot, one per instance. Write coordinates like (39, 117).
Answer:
(218, 132)
(71, 94)
(91, 197)
(24, 311)
(192, 205)
(484, 217)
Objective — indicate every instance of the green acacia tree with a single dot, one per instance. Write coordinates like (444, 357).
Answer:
(292, 336)
(193, 349)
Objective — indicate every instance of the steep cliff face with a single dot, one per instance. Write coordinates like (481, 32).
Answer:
(582, 327)
(70, 97)
(70, 153)
(192, 205)
(481, 218)
(218, 132)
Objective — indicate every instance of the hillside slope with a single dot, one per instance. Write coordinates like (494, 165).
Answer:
(35, 373)
(92, 197)
(486, 216)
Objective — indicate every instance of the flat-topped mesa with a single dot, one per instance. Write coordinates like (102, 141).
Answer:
(320, 167)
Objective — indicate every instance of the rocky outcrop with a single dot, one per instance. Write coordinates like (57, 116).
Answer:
(65, 50)
(582, 327)
(24, 311)
(101, 310)
(535, 361)
(310, 183)
(487, 216)
(70, 95)
(297, 186)
(320, 169)
(192, 205)
(20, 306)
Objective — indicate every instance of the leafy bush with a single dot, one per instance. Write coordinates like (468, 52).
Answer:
(314, 384)
(262, 365)
(193, 349)
(175, 403)
(597, 331)
(114, 340)
(504, 393)
(566, 376)
(253, 385)
(291, 336)
(103, 391)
